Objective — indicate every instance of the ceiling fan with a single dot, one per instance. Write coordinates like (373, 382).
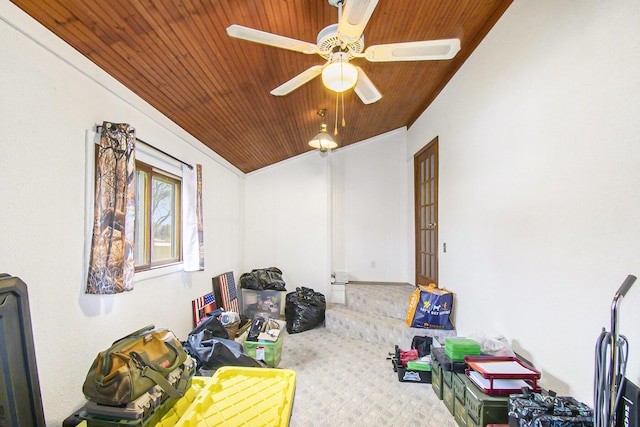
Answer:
(344, 41)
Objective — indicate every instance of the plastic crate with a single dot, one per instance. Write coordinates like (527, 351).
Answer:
(272, 350)
(269, 303)
(243, 396)
(415, 371)
(411, 375)
(180, 407)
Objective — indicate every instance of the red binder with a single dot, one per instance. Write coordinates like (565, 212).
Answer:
(501, 375)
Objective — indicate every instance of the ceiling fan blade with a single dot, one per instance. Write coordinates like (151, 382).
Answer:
(365, 89)
(413, 51)
(257, 36)
(354, 18)
(302, 78)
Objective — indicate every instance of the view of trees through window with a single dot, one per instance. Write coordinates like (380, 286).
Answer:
(163, 219)
(157, 217)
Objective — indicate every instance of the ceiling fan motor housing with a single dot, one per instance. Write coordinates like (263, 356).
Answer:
(328, 41)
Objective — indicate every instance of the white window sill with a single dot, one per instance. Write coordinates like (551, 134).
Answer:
(141, 276)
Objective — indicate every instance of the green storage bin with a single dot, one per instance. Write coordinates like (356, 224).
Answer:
(436, 378)
(459, 404)
(483, 409)
(272, 350)
(457, 348)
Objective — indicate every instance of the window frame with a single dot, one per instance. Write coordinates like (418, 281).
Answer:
(156, 172)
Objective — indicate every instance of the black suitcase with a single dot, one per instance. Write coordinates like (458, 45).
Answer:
(547, 410)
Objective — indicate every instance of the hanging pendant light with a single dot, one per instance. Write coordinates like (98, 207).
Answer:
(340, 75)
(323, 141)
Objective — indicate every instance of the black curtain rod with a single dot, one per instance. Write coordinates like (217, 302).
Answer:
(98, 127)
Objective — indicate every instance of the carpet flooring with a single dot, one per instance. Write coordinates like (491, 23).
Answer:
(348, 382)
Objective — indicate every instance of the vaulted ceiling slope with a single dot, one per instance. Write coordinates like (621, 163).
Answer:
(178, 57)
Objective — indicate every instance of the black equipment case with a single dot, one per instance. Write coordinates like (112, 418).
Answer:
(20, 399)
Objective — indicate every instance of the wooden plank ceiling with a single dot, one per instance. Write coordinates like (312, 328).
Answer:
(177, 56)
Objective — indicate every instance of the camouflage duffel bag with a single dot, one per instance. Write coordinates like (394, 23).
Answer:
(547, 410)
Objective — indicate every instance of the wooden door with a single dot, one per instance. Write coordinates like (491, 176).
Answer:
(426, 213)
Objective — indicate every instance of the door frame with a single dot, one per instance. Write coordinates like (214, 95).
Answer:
(431, 229)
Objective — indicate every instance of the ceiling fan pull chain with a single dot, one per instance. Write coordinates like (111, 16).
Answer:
(335, 128)
(344, 123)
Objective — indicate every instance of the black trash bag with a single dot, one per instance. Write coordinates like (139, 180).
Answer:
(250, 281)
(263, 279)
(304, 310)
(209, 346)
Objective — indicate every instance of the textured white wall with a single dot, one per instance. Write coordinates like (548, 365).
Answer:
(47, 110)
(371, 225)
(287, 222)
(540, 182)
(313, 215)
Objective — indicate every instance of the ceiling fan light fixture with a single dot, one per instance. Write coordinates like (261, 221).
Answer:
(323, 141)
(340, 75)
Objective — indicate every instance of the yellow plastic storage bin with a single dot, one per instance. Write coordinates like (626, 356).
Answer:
(239, 396)
(181, 406)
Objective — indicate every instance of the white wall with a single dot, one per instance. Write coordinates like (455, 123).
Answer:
(313, 215)
(539, 191)
(371, 225)
(287, 223)
(48, 107)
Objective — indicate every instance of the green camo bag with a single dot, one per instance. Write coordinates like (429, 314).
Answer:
(135, 363)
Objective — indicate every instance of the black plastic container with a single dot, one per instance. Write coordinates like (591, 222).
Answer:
(20, 398)
(446, 364)
(409, 375)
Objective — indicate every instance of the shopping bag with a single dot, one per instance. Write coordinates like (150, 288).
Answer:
(134, 364)
(430, 307)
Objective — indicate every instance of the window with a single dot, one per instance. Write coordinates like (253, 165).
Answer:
(157, 234)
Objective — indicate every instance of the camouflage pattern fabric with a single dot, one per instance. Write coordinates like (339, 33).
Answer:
(537, 410)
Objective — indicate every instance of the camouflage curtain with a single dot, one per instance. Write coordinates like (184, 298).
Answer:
(112, 263)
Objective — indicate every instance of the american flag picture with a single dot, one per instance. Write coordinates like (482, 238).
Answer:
(226, 294)
(201, 306)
